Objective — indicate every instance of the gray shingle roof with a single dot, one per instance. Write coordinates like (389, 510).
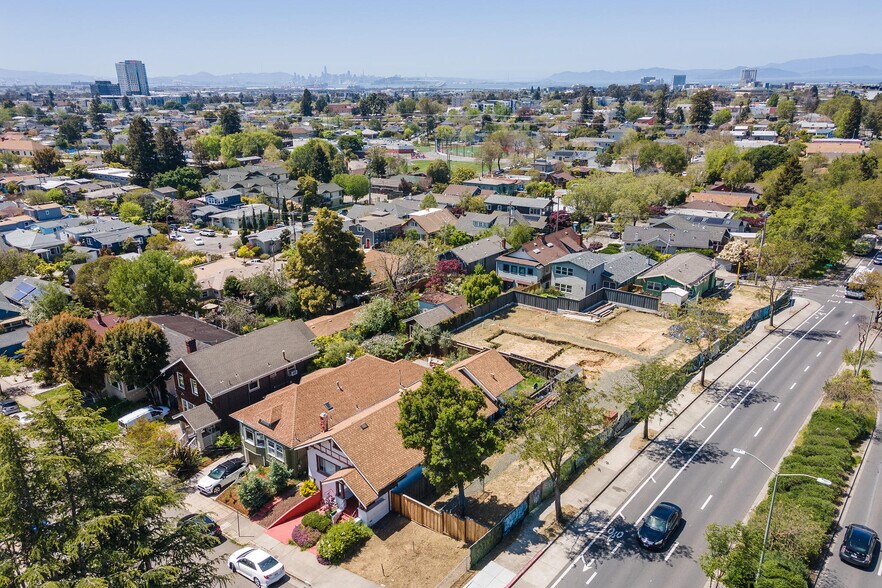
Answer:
(478, 250)
(686, 268)
(584, 259)
(621, 267)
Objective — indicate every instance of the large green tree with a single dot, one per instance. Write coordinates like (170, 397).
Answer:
(155, 283)
(78, 510)
(848, 126)
(65, 349)
(141, 153)
(169, 151)
(702, 109)
(445, 421)
(703, 322)
(90, 287)
(306, 103)
(650, 388)
(135, 351)
(327, 264)
(229, 120)
(481, 287)
(305, 160)
(46, 160)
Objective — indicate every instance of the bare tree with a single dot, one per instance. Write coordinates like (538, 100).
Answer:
(405, 262)
(779, 263)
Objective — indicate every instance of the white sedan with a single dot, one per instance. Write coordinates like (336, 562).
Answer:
(198, 241)
(257, 565)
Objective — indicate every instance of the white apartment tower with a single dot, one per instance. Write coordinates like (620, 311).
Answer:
(132, 78)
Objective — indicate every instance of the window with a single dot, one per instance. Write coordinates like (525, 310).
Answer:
(249, 436)
(563, 270)
(276, 450)
(654, 286)
(252, 386)
(259, 440)
(208, 397)
(194, 388)
(326, 467)
(565, 288)
(529, 271)
(116, 385)
(187, 404)
(180, 380)
(522, 271)
(292, 371)
(505, 267)
(358, 229)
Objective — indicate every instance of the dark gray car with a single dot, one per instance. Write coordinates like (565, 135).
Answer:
(9, 406)
(658, 527)
(858, 545)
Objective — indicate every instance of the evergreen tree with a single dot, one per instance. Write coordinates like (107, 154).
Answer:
(169, 151)
(261, 223)
(620, 110)
(284, 211)
(791, 176)
(96, 116)
(243, 226)
(587, 106)
(851, 125)
(702, 109)
(127, 104)
(679, 116)
(306, 103)
(270, 218)
(253, 219)
(598, 123)
(229, 121)
(321, 167)
(661, 106)
(141, 152)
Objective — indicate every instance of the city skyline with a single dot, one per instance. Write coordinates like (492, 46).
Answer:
(397, 39)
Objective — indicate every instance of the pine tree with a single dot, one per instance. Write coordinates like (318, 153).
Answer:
(270, 218)
(661, 106)
(791, 176)
(141, 153)
(243, 226)
(169, 151)
(306, 103)
(261, 223)
(587, 107)
(620, 110)
(284, 211)
(320, 169)
(851, 124)
(253, 219)
(96, 116)
(702, 109)
(127, 104)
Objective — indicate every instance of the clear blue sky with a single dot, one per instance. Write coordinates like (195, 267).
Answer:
(511, 40)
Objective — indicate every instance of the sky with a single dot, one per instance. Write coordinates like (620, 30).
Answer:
(506, 41)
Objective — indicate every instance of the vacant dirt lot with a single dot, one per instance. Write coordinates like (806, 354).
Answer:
(403, 554)
(743, 301)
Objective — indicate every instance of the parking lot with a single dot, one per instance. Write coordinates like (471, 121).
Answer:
(217, 244)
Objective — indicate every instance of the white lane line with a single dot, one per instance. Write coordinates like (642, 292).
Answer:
(854, 315)
(757, 431)
(706, 501)
(591, 578)
(734, 463)
(777, 406)
(846, 323)
(819, 354)
(619, 544)
(671, 552)
(793, 385)
(806, 368)
(879, 573)
(829, 341)
(588, 565)
(640, 488)
(837, 332)
(653, 480)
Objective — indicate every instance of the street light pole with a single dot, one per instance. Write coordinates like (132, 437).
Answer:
(823, 481)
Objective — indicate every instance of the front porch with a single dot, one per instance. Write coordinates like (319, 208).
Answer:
(199, 426)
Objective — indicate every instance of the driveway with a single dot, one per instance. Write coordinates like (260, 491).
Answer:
(216, 244)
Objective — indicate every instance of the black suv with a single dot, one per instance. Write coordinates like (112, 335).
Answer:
(858, 545)
(657, 528)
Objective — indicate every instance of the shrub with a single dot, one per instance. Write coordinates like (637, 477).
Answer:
(254, 492)
(318, 521)
(388, 347)
(184, 460)
(227, 442)
(279, 475)
(305, 537)
(308, 488)
(342, 539)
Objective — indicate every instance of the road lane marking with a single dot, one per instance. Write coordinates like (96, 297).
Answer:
(777, 406)
(846, 323)
(619, 544)
(837, 332)
(793, 385)
(709, 496)
(829, 341)
(806, 368)
(734, 463)
(591, 578)
(671, 552)
(757, 431)
(588, 566)
(685, 439)
(819, 354)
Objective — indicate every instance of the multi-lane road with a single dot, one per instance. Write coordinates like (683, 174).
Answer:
(761, 412)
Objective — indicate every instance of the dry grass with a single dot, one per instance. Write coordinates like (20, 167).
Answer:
(401, 553)
(743, 301)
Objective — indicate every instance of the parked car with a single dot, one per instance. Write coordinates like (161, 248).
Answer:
(9, 407)
(858, 545)
(210, 527)
(657, 528)
(177, 237)
(150, 413)
(878, 259)
(186, 230)
(207, 233)
(257, 565)
(198, 241)
(23, 418)
(222, 476)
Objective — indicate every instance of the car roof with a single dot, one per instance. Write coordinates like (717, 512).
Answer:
(862, 529)
(256, 555)
(236, 461)
(665, 508)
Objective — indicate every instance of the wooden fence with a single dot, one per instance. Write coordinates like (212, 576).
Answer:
(466, 530)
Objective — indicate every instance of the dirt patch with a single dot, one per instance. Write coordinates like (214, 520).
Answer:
(638, 442)
(401, 553)
(525, 347)
(638, 332)
(289, 499)
(743, 301)
(592, 362)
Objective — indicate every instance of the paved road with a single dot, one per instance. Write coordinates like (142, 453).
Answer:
(762, 413)
(863, 506)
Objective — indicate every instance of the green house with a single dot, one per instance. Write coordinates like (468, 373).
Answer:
(692, 272)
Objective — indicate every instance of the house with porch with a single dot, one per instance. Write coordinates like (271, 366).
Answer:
(238, 373)
(531, 264)
(430, 222)
(692, 272)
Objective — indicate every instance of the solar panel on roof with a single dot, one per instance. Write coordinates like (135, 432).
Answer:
(23, 291)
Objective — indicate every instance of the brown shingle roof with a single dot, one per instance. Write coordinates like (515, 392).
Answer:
(332, 323)
(725, 198)
(293, 412)
(432, 222)
(548, 248)
(488, 370)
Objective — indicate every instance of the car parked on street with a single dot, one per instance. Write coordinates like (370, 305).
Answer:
(177, 237)
(207, 233)
(205, 522)
(222, 476)
(9, 407)
(657, 528)
(858, 545)
(878, 259)
(186, 230)
(198, 241)
(257, 565)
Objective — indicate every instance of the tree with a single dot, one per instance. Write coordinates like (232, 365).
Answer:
(376, 317)
(721, 117)
(587, 106)
(131, 212)
(135, 352)
(51, 302)
(71, 129)
(702, 324)
(490, 152)
(791, 175)
(46, 160)
(229, 121)
(90, 287)
(306, 103)
(702, 109)
(141, 153)
(738, 176)
(126, 104)
(354, 185)
(77, 509)
(302, 160)
(327, 263)
(169, 151)
(350, 144)
(461, 174)
(405, 262)
(183, 179)
(481, 287)
(96, 114)
(673, 159)
(540, 189)
(728, 546)
(849, 126)
(765, 158)
(786, 110)
(439, 172)
(65, 348)
(559, 431)
(428, 202)
(847, 386)
(651, 387)
(446, 422)
(155, 283)
(661, 106)
(779, 262)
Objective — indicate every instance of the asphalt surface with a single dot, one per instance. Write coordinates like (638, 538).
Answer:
(762, 414)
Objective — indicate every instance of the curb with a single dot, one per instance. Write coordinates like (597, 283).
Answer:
(566, 527)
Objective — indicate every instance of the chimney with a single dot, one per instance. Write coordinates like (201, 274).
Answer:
(339, 387)
(323, 422)
(191, 345)
(504, 245)
(285, 357)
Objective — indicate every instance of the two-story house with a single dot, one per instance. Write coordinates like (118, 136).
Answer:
(377, 228)
(235, 374)
(535, 207)
(692, 272)
(531, 264)
(428, 223)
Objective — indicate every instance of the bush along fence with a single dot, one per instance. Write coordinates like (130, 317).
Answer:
(594, 448)
(804, 511)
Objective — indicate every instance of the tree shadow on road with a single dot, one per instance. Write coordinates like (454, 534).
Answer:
(659, 450)
(757, 396)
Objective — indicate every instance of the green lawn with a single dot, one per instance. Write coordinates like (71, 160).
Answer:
(530, 384)
(422, 164)
(53, 394)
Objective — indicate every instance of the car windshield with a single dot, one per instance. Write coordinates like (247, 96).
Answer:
(268, 564)
(859, 542)
(656, 523)
(217, 473)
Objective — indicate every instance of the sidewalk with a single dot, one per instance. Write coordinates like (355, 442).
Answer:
(528, 544)
(301, 566)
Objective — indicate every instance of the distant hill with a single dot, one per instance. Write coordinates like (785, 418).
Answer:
(13, 77)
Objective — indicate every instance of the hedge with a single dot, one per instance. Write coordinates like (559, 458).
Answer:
(341, 540)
